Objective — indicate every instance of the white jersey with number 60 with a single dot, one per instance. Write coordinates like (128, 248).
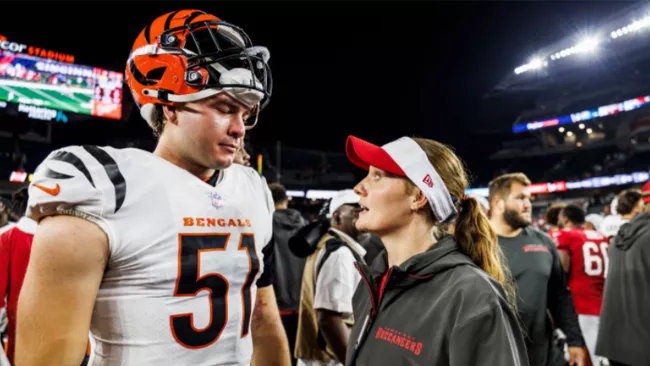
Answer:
(180, 283)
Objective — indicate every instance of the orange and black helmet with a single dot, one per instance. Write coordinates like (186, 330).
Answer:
(188, 55)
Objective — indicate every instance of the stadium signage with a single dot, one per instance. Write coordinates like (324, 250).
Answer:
(41, 113)
(34, 51)
(562, 186)
(12, 46)
(602, 111)
(64, 69)
(535, 188)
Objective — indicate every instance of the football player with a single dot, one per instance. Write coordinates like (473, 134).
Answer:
(162, 256)
(552, 220)
(583, 254)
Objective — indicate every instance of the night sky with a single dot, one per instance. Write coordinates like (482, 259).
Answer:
(345, 68)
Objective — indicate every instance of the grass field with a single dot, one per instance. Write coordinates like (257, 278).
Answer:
(45, 95)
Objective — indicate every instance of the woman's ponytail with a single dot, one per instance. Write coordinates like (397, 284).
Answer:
(473, 231)
(474, 234)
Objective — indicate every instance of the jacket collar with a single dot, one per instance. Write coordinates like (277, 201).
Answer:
(443, 255)
(356, 246)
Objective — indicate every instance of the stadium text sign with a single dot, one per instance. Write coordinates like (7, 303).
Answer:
(41, 113)
(34, 51)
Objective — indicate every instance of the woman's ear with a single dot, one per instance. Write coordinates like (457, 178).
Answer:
(418, 200)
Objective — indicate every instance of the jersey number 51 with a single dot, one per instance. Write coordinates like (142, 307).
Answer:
(190, 282)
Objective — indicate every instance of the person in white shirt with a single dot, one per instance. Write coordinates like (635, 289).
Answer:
(627, 204)
(594, 222)
(336, 278)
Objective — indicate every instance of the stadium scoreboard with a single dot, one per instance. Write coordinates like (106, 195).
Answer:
(46, 85)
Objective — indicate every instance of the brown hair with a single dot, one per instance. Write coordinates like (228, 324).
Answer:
(472, 229)
(627, 200)
(502, 184)
(157, 118)
(552, 214)
(19, 201)
(278, 192)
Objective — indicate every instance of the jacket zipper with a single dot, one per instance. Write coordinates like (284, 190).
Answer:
(370, 318)
(381, 295)
(367, 282)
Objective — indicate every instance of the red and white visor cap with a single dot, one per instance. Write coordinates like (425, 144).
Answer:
(404, 157)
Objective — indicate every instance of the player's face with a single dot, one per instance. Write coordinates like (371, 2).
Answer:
(639, 207)
(212, 129)
(384, 202)
(348, 216)
(562, 220)
(518, 208)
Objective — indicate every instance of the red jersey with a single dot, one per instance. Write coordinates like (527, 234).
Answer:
(15, 247)
(554, 233)
(588, 251)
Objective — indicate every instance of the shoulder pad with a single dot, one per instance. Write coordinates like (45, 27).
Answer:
(259, 181)
(80, 180)
(268, 195)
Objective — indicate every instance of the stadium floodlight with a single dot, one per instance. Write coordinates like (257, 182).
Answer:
(535, 63)
(635, 26)
(587, 45)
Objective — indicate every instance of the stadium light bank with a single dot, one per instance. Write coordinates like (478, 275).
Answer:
(587, 45)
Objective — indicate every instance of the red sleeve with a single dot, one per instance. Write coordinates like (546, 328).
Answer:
(5, 255)
(564, 242)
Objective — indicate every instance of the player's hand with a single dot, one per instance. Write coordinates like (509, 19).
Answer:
(577, 356)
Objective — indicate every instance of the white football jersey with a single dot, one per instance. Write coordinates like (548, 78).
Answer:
(185, 255)
(611, 225)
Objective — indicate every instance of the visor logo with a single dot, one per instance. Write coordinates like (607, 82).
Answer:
(428, 181)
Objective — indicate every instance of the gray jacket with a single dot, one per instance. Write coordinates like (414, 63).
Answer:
(288, 267)
(438, 308)
(624, 330)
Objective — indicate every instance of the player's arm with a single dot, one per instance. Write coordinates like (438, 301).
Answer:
(564, 250)
(5, 254)
(66, 265)
(560, 304)
(335, 332)
(270, 344)
(333, 294)
(565, 260)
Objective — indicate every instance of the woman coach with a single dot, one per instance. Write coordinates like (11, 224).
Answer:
(432, 298)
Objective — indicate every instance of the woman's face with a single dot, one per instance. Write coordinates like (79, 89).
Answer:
(384, 201)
